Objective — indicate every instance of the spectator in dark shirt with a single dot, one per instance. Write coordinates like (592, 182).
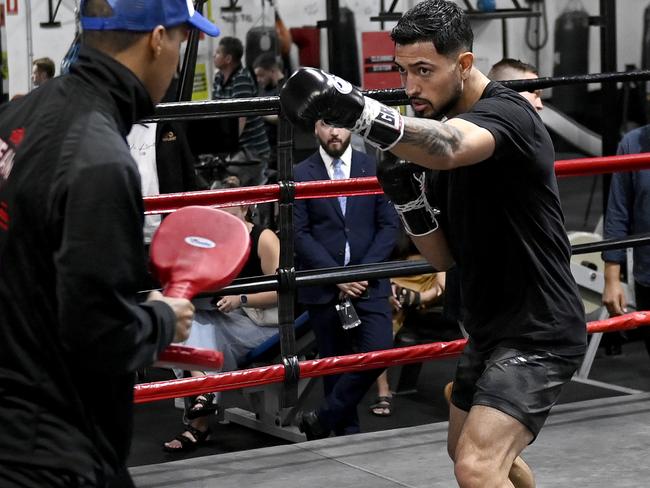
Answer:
(269, 73)
(627, 213)
(233, 80)
(270, 78)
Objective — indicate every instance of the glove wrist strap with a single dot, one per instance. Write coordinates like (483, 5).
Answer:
(381, 125)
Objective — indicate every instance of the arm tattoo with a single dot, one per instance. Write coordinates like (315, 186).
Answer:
(436, 138)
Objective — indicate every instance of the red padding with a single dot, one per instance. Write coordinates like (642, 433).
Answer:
(149, 392)
(190, 358)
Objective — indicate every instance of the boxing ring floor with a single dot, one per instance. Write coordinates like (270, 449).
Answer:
(594, 443)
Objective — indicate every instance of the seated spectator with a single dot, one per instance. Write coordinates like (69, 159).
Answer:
(270, 78)
(233, 325)
(269, 73)
(43, 70)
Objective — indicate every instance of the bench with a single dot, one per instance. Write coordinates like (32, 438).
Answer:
(262, 408)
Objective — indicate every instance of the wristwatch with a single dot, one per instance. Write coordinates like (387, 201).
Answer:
(243, 299)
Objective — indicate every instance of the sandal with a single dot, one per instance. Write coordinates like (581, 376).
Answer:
(187, 444)
(383, 406)
(201, 406)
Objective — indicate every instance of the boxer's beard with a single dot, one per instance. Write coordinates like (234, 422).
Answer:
(445, 108)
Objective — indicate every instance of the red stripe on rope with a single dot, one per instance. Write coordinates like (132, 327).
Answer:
(361, 186)
(234, 380)
(622, 322)
(605, 164)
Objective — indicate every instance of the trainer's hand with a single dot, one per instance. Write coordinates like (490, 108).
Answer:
(311, 94)
(404, 185)
(184, 311)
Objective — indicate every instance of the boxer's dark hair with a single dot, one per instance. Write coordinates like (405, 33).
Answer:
(233, 47)
(440, 21)
(112, 42)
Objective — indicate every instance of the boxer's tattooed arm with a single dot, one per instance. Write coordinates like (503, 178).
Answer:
(436, 138)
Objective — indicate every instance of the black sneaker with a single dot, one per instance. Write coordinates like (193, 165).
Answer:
(310, 425)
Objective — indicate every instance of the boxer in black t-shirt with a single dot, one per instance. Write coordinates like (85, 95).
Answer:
(500, 223)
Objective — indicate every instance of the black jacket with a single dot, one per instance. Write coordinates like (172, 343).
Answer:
(71, 262)
(174, 160)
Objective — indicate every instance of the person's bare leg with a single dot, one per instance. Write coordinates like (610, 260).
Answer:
(383, 391)
(382, 384)
(457, 419)
(520, 475)
(487, 447)
(201, 423)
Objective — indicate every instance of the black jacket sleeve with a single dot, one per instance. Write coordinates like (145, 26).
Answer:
(100, 268)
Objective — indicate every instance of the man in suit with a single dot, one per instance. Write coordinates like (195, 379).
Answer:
(339, 232)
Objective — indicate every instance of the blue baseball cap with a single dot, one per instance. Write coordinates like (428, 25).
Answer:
(146, 15)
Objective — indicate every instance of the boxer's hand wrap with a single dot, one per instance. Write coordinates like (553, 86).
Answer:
(311, 94)
(381, 125)
(404, 184)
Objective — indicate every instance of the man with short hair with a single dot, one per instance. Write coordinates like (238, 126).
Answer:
(270, 78)
(514, 69)
(42, 71)
(233, 80)
(627, 214)
(269, 73)
(500, 222)
(342, 231)
(71, 254)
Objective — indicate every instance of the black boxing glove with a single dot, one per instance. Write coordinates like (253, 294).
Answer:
(311, 94)
(404, 184)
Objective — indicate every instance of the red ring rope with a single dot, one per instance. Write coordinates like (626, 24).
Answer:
(233, 380)
(361, 186)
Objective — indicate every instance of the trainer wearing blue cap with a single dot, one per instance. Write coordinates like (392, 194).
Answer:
(71, 255)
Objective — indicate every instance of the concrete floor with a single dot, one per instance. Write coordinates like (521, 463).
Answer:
(596, 443)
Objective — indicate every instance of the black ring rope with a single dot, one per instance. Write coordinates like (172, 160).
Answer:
(391, 269)
(242, 107)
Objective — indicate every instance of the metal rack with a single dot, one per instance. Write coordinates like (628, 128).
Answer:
(389, 15)
(503, 14)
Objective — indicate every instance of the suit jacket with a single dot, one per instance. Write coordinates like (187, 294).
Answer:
(370, 226)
